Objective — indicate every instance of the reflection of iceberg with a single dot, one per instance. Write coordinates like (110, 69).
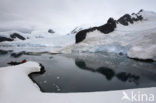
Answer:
(108, 73)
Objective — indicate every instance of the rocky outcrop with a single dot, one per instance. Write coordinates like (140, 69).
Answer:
(107, 28)
(12, 37)
(5, 39)
(16, 35)
(51, 31)
(110, 25)
(127, 18)
(80, 36)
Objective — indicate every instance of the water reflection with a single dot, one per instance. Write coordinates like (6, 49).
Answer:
(109, 73)
(83, 73)
(4, 52)
(17, 55)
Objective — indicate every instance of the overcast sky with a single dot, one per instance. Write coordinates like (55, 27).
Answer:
(64, 15)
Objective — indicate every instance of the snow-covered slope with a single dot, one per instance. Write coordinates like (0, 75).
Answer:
(137, 40)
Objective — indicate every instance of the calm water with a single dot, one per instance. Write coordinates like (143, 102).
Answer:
(87, 72)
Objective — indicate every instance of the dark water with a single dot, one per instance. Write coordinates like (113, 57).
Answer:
(86, 72)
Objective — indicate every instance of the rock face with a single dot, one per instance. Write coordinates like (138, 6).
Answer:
(51, 31)
(107, 28)
(80, 36)
(110, 25)
(126, 19)
(16, 35)
(5, 39)
(12, 37)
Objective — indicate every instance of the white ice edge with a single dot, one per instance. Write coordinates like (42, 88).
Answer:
(17, 87)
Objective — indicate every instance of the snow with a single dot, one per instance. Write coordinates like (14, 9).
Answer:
(17, 87)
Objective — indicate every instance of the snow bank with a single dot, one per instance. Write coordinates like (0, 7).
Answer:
(17, 87)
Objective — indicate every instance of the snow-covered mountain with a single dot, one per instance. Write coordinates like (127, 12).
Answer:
(17, 35)
(134, 36)
(38, 40)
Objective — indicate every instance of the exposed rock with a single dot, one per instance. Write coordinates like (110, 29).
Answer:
(51, 31)
(107, 28)
(126, 19)
(16, 35)
(12, 37)
(80, 36)
(5, 39)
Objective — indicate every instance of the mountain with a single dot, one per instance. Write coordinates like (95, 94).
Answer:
(133, 35)
(39, 40)
(17, 35)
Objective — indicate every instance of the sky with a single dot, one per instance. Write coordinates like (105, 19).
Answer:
(64, 15)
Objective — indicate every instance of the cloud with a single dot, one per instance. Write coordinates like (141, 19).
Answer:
(64, 15)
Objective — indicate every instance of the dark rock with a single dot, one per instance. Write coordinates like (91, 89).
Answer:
(124, 20)
(107, 28)
(141, 11)
(16, 35)
(5, 39)
(80, 36)
(50, 31)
